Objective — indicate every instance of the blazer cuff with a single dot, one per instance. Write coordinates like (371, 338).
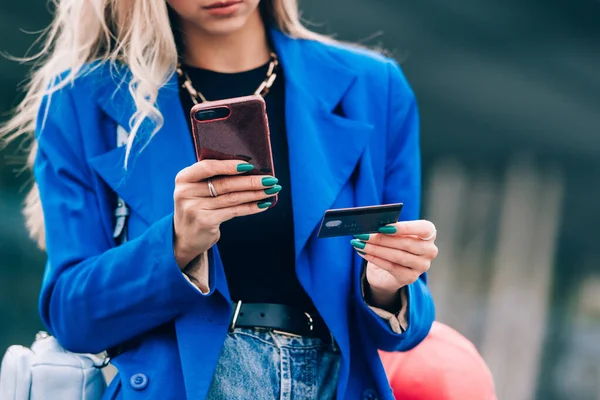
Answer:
(398, 321)
(196, 272)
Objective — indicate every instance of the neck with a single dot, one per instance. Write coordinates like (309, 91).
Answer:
(242, 50)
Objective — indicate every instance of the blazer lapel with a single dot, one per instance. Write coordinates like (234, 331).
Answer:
(324, 147)
(148, 183)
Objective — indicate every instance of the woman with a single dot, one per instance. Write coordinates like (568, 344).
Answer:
(308, 314)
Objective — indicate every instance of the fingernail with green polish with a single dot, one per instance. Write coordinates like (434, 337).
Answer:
(264, 204)
(274, 190)
(269, 181)
(364, 237)
(361, 252)
(388, 230)
(244, 167)
(358, 244)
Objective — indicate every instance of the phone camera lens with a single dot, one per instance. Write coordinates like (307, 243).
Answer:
(216, 113)
(205, 115)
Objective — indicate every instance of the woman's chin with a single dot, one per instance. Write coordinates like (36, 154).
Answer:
(223, 26)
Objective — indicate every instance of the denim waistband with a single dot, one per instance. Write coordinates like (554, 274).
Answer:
(282, 339)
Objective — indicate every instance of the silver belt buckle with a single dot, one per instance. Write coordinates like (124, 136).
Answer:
(236, 314)
(311, 325)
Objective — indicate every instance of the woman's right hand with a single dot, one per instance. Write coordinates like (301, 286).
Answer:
(198, 216)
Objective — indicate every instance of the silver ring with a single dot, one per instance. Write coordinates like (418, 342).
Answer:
(211, 189)
(429, 237)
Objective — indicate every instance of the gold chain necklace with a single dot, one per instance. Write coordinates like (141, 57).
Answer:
(262, 90)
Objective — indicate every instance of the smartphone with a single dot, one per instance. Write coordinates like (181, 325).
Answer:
(358, 220)
(234, 129)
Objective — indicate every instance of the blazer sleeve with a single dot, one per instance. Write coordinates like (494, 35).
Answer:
(402, 185)
(94, 295)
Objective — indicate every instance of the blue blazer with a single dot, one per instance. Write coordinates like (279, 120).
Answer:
(95, 295)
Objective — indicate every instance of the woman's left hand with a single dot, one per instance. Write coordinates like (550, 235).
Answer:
(396, 257)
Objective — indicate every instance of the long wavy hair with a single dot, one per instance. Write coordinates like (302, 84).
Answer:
(137, 33)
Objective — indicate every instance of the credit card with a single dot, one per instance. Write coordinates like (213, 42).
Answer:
(354, 221)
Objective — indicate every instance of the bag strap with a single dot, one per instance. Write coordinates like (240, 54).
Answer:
(121, 210)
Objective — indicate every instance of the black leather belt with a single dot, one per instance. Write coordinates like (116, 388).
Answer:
(279, 317)
(282, 318)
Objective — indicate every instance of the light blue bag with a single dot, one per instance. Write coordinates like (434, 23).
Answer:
(47, 371)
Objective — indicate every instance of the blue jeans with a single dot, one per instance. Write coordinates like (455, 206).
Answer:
(259, 364)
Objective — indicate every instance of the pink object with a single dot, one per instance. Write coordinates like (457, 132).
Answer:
(445, 366)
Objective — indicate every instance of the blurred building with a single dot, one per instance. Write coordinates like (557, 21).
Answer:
(510, 106)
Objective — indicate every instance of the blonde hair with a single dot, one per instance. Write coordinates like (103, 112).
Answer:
(137, 33)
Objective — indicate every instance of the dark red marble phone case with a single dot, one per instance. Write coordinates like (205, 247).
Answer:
(241, 135)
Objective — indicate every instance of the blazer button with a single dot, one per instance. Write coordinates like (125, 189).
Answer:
(370, 395)
(139, 381)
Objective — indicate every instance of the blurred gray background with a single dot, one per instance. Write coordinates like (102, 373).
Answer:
(509, 94)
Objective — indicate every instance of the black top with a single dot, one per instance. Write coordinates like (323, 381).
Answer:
(257, 250)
